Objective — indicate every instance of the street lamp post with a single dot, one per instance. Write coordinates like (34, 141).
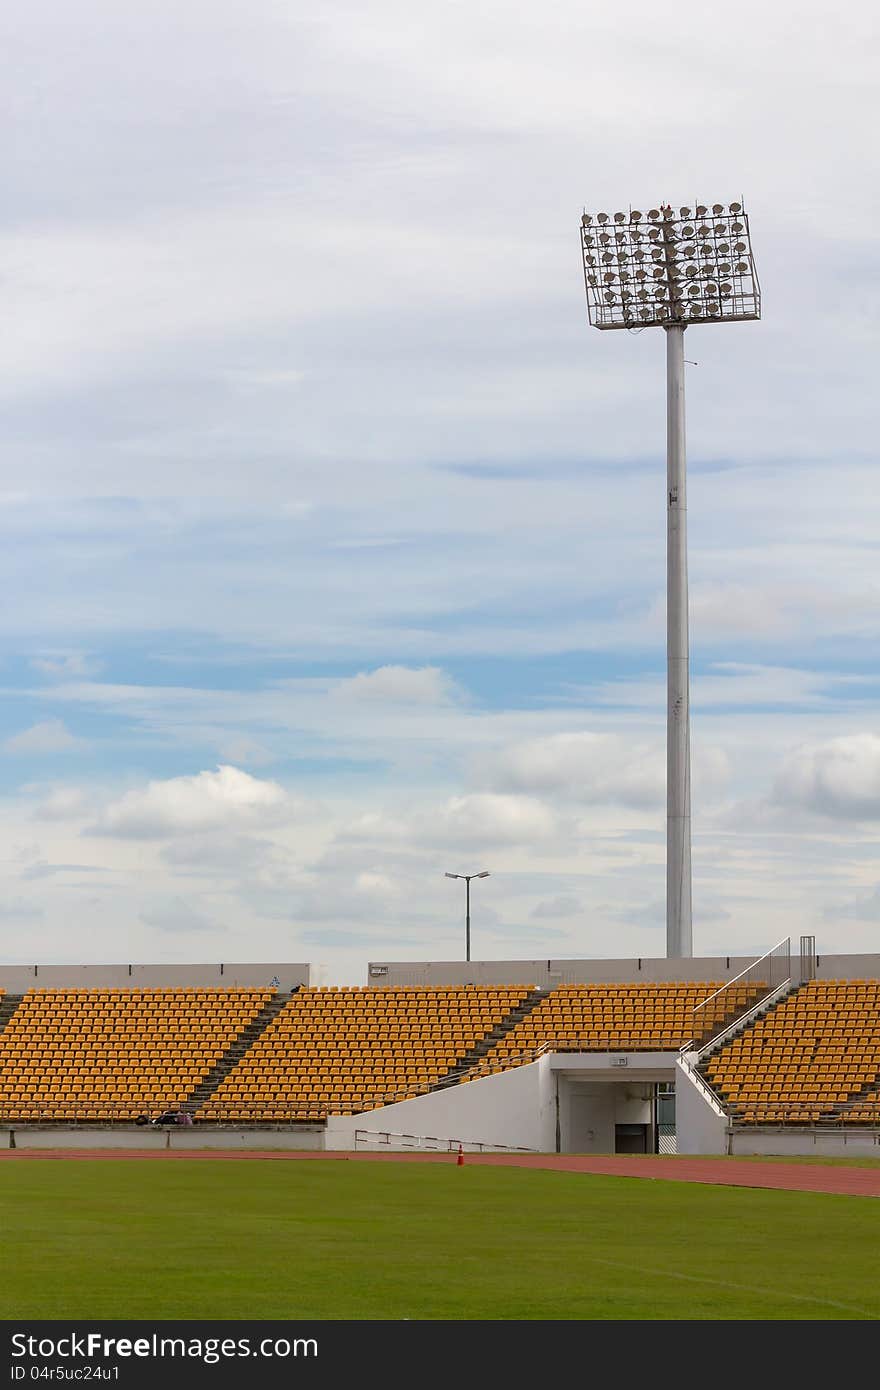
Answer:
(467, 897)
(668, 269)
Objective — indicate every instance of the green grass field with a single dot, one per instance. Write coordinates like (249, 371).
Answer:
(356, 1241)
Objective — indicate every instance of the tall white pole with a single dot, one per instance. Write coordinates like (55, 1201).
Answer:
(679, 931)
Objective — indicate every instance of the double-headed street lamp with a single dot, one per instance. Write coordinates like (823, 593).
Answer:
(671, 268)
(467, 879)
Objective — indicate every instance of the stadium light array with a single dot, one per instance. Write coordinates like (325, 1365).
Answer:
(648, 270)
(671, 269)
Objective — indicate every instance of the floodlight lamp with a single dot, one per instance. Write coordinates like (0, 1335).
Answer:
(736, 207)
(662, 261)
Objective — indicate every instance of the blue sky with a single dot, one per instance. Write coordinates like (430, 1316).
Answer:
(333, 536)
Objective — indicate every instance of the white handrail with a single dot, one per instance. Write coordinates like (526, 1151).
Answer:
(702, 1085)
(758, 1007)
(435, 1144)
(728, 983)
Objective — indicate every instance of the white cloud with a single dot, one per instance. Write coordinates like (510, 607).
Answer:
(243, 749)
(473, 821)
(250, 378)
(176, 915)
(49, 736)
(585, 767)
(482, 820)
(375, 885)
(65, 666)
(63, 803)
(565, 905)
(221, 800)
(400, 685)
(865, 908)
(839, 778)
(19, 910)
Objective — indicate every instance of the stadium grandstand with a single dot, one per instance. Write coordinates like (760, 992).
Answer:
(774, 1054)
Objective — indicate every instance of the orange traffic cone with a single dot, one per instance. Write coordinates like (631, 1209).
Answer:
(460, 1160)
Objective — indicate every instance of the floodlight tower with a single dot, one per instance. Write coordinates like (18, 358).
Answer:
(668, 269)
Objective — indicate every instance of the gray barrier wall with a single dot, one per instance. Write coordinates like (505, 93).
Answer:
(545, 974)
(15, 979)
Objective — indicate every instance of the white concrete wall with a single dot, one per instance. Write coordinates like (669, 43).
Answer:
(586, 1116)
(816, 1143)
(16, 979)
(444, 972)
(590, 1108)
(844, 967)
(514, 1108)
(183, 1140)
(545, 974)
(700, 1124)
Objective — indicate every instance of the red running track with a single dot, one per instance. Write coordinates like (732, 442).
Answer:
(729, 1172)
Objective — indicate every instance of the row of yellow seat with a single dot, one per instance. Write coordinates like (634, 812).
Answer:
(291, 1057)
(332, 1050)
(801, 1061)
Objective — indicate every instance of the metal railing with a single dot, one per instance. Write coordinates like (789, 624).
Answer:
(710, 1095)
(383, 1138)
(487, 1067)
(769, 975)
(244, 1112)
(506, 1060)
(797, 1111)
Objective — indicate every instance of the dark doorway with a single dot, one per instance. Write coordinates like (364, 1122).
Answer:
(631, 1139)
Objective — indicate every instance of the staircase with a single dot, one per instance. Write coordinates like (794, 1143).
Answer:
(8, 1005)
(236, 1050)
(485, 1045)
(744, 1021)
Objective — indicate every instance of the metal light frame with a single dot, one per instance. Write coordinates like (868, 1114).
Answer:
(644, 270)
(670, 270)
